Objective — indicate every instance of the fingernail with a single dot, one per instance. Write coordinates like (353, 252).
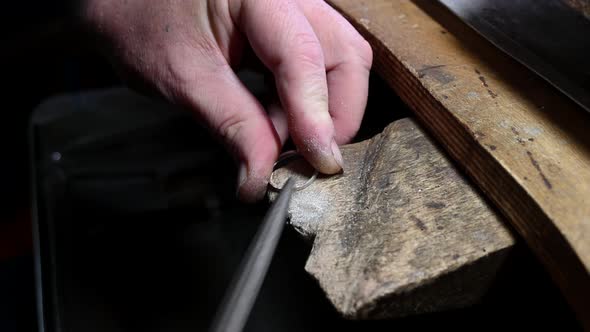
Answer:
(242, 177)
(337, 154)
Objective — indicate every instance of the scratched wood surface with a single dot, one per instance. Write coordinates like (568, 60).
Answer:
(400, 232)
(524, 144)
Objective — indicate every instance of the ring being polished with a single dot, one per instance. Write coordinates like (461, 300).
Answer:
(284, 159)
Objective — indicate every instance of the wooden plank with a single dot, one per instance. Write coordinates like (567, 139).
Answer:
(523, 143)
(582, 6)
(400, 232)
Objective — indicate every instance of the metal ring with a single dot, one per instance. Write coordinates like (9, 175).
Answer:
(283, 159)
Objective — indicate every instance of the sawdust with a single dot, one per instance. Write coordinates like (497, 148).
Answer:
(308, 206)
(307, 211)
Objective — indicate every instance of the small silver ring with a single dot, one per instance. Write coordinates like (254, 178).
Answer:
(283, 158)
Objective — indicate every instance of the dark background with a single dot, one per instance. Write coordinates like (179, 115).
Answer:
(44, 54)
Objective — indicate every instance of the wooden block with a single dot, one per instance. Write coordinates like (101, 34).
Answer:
(400, 231)
(522, 142)
(581, 6)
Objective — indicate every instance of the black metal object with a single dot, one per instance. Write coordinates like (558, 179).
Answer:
(110, 167)
(547, 36)
(242, 293)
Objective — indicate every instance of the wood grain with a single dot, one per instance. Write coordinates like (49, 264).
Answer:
(400, 232)
(524, 144)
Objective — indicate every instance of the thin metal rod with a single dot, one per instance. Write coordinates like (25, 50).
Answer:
(241, 295)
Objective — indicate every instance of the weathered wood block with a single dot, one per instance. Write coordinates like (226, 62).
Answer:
(400, 232)
(518, 139)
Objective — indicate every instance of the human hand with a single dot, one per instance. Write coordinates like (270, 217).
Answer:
(185, 50)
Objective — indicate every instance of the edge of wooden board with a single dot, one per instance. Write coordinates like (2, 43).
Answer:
(547, 204)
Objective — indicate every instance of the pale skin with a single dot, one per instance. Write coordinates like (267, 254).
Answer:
(187, 51)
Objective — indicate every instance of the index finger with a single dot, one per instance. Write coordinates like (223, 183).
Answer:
(285, 42)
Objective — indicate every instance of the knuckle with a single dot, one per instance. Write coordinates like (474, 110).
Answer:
(189, 56)
(208, 49)
(364, 52)
(308, 50)
(175, 71)
(229, 130)
(181, 73)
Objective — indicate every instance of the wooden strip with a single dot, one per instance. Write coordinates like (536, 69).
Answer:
(523, 143)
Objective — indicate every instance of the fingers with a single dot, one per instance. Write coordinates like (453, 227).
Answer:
(235, 115)
(284, 40)
(348, 99)
(348, 59)
(279, 120)
(182, 49)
